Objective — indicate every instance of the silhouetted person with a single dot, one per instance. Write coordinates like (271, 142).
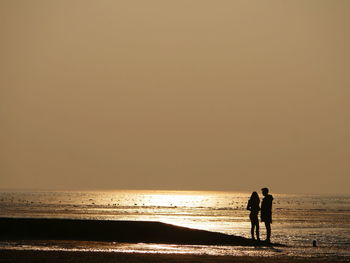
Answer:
(266, 212)
(254, 208)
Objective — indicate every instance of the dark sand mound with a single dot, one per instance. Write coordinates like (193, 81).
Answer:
(118, 231)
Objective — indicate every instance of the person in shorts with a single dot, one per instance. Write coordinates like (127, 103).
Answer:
(254, 208)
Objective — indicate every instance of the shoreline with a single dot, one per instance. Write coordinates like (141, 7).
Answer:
(7, 256)
(117, 231)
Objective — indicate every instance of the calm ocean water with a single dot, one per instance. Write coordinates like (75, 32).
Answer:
(298, 219)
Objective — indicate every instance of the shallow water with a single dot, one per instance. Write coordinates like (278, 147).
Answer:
(298, 219)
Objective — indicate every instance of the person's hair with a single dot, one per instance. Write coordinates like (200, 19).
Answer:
(265, 189)
(255, 197)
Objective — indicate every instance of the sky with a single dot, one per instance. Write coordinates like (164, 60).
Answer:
(180, 95)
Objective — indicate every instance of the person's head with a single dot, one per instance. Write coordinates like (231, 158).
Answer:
(254, 196)
(265, 191)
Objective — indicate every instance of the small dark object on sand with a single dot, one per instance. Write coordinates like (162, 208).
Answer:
(314, 244)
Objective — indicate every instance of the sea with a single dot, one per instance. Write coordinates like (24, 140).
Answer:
(298, 220)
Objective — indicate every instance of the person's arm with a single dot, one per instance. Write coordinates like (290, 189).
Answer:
(249, 207)
(270, 203)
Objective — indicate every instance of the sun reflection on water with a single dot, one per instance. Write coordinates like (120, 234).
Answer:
(191, 209)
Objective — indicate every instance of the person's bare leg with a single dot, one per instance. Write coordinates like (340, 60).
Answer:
(257, 232)
(252, 230)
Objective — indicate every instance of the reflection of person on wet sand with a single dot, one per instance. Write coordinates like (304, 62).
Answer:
(266, 212)
(254, 208)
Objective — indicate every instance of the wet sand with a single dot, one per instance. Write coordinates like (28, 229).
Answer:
(118, 231)
(122, 231)
(9, 256)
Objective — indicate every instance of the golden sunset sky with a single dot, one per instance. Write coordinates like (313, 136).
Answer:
(182, 95)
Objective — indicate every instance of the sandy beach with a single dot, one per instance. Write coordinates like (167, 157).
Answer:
(7, 256)
(114, 230)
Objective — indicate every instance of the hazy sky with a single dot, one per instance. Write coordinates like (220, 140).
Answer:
(206, 95)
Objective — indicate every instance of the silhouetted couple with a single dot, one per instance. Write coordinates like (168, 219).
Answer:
(266, 213)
